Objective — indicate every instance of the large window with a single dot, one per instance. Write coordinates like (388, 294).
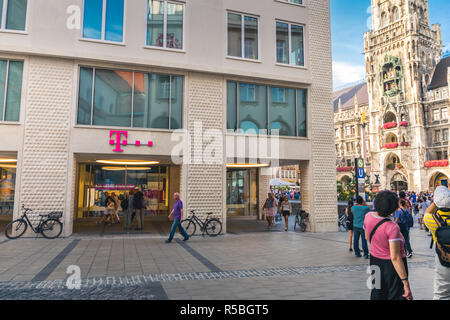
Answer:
(103, 20)
(289, 44)
(165, 24)
(10, 89)
(13, 14)
(130, 99)
(253, 107)
(242, 36)
(292, 1)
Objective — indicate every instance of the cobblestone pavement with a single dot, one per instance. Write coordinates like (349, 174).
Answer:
(253, 266)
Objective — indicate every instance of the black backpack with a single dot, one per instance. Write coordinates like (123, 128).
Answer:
(442, 234)
(124, 204)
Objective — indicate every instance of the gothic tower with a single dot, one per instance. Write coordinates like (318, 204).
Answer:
(401, 52)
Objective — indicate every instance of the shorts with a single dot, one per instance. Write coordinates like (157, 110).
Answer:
(286, 213)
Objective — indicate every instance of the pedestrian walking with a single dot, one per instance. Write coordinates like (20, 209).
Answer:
(131, 211)
(437, 220)
(387, 251)
(359, 212)
(285, 210)
(349, 214)
(177, 214)
(402, 218)
(138, 204)
(270, 209)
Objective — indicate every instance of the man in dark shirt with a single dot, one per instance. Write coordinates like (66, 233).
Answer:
(177, 214)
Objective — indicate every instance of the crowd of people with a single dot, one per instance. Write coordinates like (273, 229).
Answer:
(384, 229)
(132, 205)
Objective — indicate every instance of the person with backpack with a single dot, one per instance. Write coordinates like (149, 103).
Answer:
(405, 221)
(437, 220)
(387, 251)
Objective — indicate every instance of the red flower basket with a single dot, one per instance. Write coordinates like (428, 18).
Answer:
(391, 145)
(390, 125)
(405, 144)
(436, 163)
(404, 123)
(344, 169)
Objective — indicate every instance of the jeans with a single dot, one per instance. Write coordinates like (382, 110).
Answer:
(405, 232)
(441, 281)
(140, 218)
(177, 223)
(128, 214)
(359, 232)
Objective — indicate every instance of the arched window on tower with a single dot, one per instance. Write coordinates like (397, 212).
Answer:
(384, 19)
(395, 14)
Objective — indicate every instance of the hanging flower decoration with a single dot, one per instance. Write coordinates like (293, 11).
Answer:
(404, 123)
(344, 169)
(390, 125)
(436, 163)
(391, 145)
(404, 144)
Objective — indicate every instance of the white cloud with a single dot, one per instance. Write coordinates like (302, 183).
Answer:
(346, 73)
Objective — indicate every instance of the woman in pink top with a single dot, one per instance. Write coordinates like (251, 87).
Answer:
(387, 251)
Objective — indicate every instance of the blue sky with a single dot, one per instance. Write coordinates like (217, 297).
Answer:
(349, 21)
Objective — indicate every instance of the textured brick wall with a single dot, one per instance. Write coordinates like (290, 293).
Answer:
(45, 160)
(323, 178)
(205, 181)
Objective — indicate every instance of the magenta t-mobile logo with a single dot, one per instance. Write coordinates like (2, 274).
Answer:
(119, 142)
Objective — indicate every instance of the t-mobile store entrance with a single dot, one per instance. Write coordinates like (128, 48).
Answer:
(100, 180)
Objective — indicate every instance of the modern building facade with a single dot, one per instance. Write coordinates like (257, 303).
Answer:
(103, 96)
(404, 102)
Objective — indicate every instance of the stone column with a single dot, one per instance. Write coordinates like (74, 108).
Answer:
(322, 192)
(263, 189)
(46, 165)
(206, 114)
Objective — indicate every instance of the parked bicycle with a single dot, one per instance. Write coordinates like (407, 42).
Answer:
(211, 226)
(49, 225)
(342, 222)
(301, 220)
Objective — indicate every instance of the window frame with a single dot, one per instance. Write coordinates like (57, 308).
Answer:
(103, 31)
(267, 129)
(289, 64)
(164, 47)
(242, 56)
(4, 16)
(134, 71)
(303, 4)
(436, 115)
(3, 114)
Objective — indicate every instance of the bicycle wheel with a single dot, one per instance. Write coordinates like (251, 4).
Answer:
(303, 227)
(51, 228)
(213, 227)
(189, 226)
(15, 229)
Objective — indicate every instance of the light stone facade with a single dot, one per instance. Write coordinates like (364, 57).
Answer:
(402, 55)
(49, 144)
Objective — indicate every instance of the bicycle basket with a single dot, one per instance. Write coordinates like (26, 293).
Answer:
(55, 215)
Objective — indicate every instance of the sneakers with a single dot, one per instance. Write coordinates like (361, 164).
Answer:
(366, 257)
(168, 241)
(186, 239)
(358, 255)
(409, 255)
(350, 249)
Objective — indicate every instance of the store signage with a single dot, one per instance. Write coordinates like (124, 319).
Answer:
(115, 187)
(118, 142)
